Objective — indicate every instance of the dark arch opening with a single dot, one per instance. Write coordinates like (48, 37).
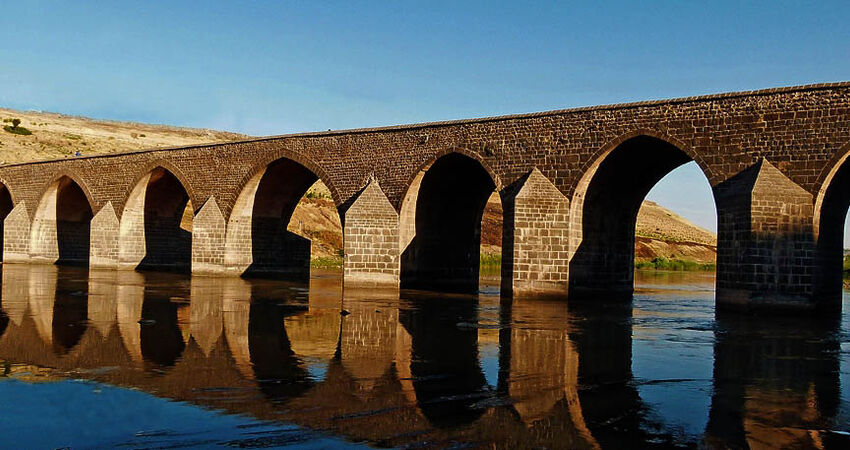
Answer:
(168, 223)
(279, 372)
(603, 262)
(5, 208)
(73, 223)
(447, 376)
(445, 251)
(276, 246)
(830, 245)
(70, 309)
(161, 340)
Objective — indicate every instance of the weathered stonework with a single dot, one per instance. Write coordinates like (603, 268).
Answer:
(765, 241)
(370, 239)
(16, 235)
(105, 228)
(803, 132)
(535, 238)
(208, 238)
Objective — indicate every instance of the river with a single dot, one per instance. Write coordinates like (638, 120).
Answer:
(124, 359)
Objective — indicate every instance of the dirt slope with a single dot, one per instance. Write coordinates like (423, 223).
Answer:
(57, 136)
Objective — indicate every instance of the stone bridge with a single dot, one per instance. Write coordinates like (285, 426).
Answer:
(411, 197)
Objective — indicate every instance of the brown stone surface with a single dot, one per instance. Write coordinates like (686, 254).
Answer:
(801, 132)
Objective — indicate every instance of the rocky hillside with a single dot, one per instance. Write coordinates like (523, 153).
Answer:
(660, 232)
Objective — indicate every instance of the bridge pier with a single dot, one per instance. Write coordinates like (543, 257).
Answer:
(16, 235)
(209, 240)
(535, 238)
(371, 240)
(765, 242)
(105, 230)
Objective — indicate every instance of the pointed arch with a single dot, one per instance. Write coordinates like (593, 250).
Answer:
(283, 153)
(831, 204)
(440, 221)
(605, 203)
(258, 241)
(61, 225)
(7, 203)
(155, 230)
(148, 168)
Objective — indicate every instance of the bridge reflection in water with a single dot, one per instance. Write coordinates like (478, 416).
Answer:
(419, 369)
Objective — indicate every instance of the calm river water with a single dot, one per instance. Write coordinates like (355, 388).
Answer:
(151, 361)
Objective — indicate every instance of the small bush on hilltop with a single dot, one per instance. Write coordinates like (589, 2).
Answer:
(15, 128)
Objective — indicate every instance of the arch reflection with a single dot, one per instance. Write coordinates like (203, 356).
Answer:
(420, 368)
(776, 383)
(447, 377)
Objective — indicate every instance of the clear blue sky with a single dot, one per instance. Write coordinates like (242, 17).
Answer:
(278, 67)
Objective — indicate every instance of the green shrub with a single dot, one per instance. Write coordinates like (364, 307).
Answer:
(328, 262)
(17, 130)
(491, 259)
(662, 263)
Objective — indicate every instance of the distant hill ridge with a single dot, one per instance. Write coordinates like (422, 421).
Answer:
(58, 135)
(660, 232)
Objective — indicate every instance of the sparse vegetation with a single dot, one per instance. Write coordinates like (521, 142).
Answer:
(662, 263)
(491, 260)
(326, 262)
(312, 195)
(56, 132)
(15, 127)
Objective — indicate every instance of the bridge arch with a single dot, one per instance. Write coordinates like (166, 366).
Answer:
(308, 163)
(61, 227)
(830, 211)
(605, 204)
(155, 230)
(440, 222)
(7, 203)
(258, 239)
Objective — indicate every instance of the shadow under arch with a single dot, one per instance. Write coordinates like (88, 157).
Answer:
(440, 223)
(61, 227)
(6, 206)
(156, 225)
(831, 206)
(280, 373)
(444, 362)
(776, 383)
(604, 212)
(258, 241)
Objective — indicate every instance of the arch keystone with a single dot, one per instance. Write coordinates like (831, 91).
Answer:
(105, 228)
(370, 239)
(535, 239)
(208, 239)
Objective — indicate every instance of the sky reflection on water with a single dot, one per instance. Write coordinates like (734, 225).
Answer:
(112, 358)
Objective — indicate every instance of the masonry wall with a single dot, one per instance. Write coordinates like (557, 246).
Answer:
(766, 249)
(801, 131)
(370, 239)
(535, 240)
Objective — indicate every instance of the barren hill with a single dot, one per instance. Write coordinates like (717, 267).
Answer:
(58, 136)
(660, 232)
